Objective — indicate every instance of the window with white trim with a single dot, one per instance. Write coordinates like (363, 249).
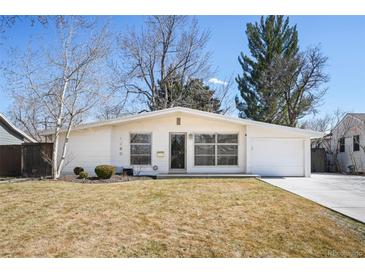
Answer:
(140, 149)
(227, 149)
(216, 149)
(204, 149)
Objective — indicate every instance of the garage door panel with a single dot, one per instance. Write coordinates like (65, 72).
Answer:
(277, 156)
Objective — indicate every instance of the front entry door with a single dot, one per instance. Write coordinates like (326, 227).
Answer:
(177, 152)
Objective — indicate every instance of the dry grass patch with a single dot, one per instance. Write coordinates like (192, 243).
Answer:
(170, 218)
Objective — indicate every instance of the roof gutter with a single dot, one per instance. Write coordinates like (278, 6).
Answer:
(304, 132)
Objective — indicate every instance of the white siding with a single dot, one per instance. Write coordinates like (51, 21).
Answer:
(160, 129)
(278, 156)
(7, 137)
(88, 148)
(277, 153)
(111, 144)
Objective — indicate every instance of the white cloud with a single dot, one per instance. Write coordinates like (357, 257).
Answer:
(217, 81)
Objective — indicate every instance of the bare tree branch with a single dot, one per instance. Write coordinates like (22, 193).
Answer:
(168, 46)
(56, 86)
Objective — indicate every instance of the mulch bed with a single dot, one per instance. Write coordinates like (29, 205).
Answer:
(96, 180)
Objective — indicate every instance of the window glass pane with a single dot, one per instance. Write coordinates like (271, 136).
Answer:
(141, 153)
(140, 160)
(208, 147)
(342, 144)
(356, 140)
(204, 149)
(140, 149)
(227, 138)
(227, 160)
(140, 138)
(204, 138)
(204, 160)
(227, 150)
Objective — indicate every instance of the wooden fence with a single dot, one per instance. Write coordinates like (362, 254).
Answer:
(318, 159)
(28, 160)
(37, 159)
(10, 160)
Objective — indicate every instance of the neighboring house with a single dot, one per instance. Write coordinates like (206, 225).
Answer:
(11, 140)
(348, 143)
(183, 140)
(11, 135)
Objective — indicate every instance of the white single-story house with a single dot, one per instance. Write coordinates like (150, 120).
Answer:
(183, 140)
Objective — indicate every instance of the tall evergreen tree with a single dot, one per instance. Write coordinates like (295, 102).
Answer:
(268, 40)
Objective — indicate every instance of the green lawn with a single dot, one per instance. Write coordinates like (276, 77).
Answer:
(170, 218)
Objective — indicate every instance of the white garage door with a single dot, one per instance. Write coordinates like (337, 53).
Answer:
(277, 156)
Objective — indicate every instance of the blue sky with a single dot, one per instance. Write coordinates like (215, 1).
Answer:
(341, 38)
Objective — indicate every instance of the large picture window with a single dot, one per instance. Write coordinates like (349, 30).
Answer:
(140, 149)
(216, 149)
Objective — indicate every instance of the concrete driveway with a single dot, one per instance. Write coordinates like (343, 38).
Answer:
(342, 193)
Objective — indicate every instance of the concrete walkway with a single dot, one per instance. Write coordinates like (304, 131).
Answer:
(205, 175)
(342, 193)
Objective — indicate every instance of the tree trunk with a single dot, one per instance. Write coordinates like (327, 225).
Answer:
(55, 173)
(54, 154)
(64, 150)
(337, 163)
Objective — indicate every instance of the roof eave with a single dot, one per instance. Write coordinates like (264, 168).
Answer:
(20, 132)
(303, 132)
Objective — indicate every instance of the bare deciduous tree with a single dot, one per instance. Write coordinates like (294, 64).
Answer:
(28, 113)
(111, 111)
(7, 21)
(322, 124)
(326, 124)
(57, 85)
(298, 83)
(166, 46)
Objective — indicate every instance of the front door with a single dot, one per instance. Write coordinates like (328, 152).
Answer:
(177, 152)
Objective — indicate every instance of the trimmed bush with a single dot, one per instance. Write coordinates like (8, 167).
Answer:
(104, 171)
(83, 175)
(77, 170)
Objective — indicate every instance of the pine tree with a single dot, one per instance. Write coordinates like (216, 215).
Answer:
(268, 40)
(193, 94)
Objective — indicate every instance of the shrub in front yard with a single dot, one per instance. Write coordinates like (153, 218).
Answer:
(83, 175)
(77, 170)
(104, 171)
